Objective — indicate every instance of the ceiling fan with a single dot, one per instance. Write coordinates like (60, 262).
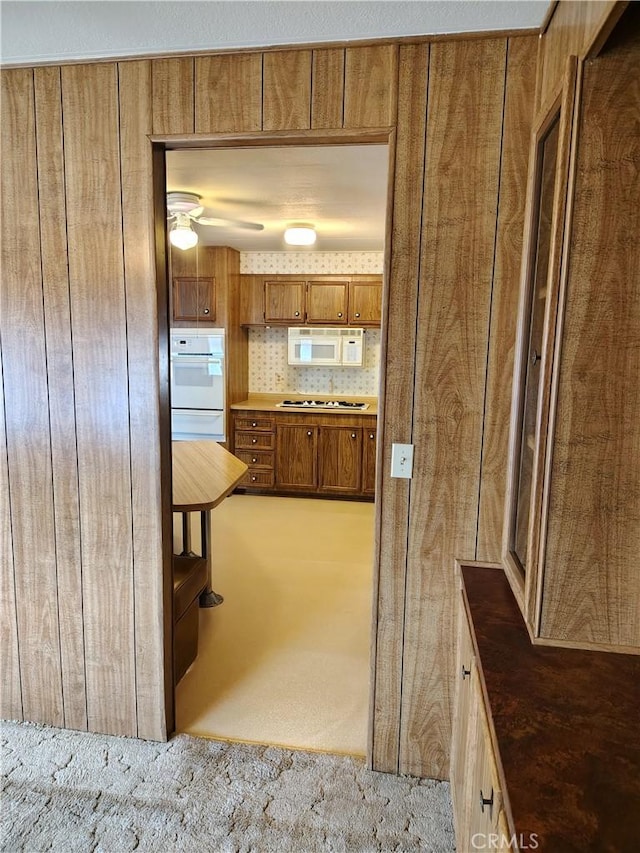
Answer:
(184, 208)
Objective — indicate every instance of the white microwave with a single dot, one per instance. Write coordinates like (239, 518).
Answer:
(332, 347)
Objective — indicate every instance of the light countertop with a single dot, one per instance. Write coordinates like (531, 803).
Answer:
(203, 475)
(268, 403)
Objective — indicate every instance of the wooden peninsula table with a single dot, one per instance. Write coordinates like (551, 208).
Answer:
(204, 473)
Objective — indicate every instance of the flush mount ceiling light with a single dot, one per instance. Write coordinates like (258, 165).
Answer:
(182, 235)
(300, 235)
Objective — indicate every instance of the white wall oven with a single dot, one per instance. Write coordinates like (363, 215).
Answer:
(197, 384)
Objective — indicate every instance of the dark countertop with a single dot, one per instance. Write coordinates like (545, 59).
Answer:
(566, 725)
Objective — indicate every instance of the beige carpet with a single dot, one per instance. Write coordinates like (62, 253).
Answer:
(70, 792)
(285, 659)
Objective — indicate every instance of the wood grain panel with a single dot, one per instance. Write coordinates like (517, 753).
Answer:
(173, 95)
(573, 27)
(11, 693)
(466, 89)
(98, 311)
(135, 105)
(51, 200)
(518, 118)
(398, 354)
(27, 408)
(228, 93)
(590, 589)
(286, 98)
(371, 85)
(327, 88)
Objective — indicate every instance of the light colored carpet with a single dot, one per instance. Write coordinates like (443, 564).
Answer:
(69, 791)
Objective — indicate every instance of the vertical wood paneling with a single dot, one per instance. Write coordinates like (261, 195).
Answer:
(11, 693)
(590, 591)
(24, 359)
(466, 89)
(286, 95)
(370, 91)
(94, 218)
(518, 118)
(51, 200)
(134, 79)
(228, 93)
(398, 356)
(327, 88)
(173, 95)
(573, 26)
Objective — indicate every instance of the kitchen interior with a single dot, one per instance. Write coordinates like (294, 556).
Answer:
(276, 358)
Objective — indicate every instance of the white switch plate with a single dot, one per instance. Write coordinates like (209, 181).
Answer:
(402, 460)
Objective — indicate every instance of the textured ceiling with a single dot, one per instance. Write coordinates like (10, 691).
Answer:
(34, 32)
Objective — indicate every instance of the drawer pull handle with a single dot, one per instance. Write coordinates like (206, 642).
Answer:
(253, 423)
(484, 801)
(465, 672)
(254, 459)
(254, 441)
(254, 478)
(535, 358)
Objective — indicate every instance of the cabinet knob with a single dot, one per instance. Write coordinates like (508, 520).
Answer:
(253, 478)
(535, 358)
(353, 435)
(206, 311)
(372, 435)
(254, 441)
(309, 432)
(486, 802)
(339, 313)
(465, 672)
(254, 423)
(357, 314)
(254, 459)
(296, 314)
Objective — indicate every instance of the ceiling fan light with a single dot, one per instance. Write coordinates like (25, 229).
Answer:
(183, 236)
(300, 235)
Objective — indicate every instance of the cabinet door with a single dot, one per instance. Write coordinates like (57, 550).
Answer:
(296, 455)
(365, 303)
(284, 302)
(327, 302)
(251, 300)
(193, 299)
(340, 455)
(368, 461)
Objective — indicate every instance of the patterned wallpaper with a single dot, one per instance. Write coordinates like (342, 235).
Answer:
(269, 372)
(310, 262)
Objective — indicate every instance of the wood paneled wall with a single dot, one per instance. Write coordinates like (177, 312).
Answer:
(82, 642)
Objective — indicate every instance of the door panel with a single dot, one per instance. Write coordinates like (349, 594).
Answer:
(340, 452)
(327, 302)
(296, 451)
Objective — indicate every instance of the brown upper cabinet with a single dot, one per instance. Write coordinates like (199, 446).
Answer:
(284, 301)
(293, 301)
(194, 299)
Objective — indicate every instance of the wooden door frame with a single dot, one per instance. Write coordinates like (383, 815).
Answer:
(160, 144)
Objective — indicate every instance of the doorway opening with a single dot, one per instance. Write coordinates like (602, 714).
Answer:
(285, 658)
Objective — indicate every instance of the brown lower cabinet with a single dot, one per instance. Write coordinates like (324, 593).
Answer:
(307, 453)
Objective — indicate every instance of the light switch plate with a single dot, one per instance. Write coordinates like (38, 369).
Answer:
(402, 460)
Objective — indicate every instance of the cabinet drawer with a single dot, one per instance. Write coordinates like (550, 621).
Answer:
(256, 459)
(258, 423)
(257, 477)
(254, 440)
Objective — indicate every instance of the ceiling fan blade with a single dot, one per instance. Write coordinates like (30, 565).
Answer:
(233, 223)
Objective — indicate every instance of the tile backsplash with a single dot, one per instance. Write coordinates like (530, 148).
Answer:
(269, 372)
